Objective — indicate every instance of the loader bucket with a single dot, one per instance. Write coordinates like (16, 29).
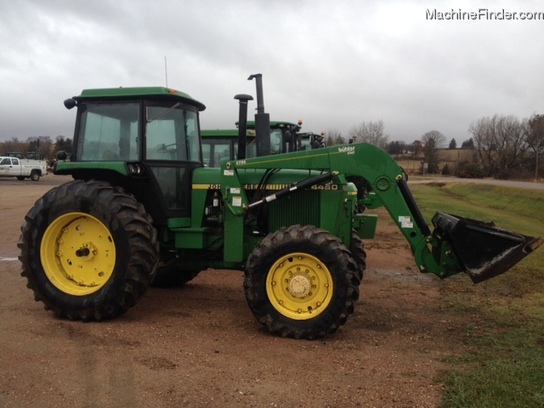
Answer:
(483, 249)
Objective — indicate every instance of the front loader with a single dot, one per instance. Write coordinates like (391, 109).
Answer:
(142, 203)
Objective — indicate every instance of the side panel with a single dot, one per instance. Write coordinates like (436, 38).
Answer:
(361, 160)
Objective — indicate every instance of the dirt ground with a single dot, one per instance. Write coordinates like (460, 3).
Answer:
(199, 346)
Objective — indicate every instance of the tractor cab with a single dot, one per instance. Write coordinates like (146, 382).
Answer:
(144, 139)
(284, 137)
(222, 144)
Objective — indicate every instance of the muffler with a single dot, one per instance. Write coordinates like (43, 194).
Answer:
(483, 249)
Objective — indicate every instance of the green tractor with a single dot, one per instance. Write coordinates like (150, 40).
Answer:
(143, 203)
(221, 144)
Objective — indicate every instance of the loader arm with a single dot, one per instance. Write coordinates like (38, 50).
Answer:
(438, 252)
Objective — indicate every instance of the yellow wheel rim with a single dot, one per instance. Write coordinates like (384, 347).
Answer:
(78, 254)
(299, 286)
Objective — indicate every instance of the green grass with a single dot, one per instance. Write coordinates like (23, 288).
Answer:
(505, 315)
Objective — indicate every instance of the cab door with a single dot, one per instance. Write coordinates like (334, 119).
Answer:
(172, 152)
(15, 168)
(5, 166)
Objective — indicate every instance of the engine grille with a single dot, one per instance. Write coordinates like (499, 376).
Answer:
(299, 208)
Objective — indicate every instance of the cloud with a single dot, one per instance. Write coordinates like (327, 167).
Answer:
(333, 64)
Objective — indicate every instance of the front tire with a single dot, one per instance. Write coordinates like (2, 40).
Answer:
(88, 250)
(301, 282)
(358, 252)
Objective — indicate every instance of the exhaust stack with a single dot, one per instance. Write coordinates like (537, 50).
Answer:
(242, 124)
(262, 119)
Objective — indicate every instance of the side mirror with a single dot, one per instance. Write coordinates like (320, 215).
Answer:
(70, 103)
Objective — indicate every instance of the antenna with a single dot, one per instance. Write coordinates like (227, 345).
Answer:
(166, 71)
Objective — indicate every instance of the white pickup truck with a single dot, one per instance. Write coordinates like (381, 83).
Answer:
(22, 168)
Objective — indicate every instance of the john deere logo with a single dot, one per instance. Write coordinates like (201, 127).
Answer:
(347, 149)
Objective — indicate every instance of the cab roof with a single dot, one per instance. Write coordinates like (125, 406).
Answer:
(223, 132)
(273, 124)
(137, 92)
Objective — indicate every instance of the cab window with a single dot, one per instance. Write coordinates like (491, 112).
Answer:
(108, 132)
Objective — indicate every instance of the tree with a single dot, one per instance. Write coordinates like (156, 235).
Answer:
(417, 148)
(397, 147)
(438, 138)
(63, 144)
(13, 145)
(431, 156)
(535, 139)
(453, 144)
(468, 170)
(334, 137)
(339, 140)
(369, 132)
(468, 144)
(432, 141)
(501, 142)
(40, 144)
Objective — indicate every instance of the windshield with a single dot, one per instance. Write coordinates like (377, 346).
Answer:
(276, 137)
(214, 150)
(108, 132)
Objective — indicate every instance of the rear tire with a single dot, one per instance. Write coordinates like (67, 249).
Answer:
(34, 176)
(301, 282)
(88, 250)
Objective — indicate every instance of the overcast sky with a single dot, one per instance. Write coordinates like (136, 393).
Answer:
(333, 64)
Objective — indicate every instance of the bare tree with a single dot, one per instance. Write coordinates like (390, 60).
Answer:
(334, 137)
(41, 145)
(13, 145)
(535, 139)
(438, 138)
(501, 142)
(369, 132)
(432, 141)
(417, 148)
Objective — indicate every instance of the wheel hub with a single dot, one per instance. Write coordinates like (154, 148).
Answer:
(78, 253)
(87, 251)
(299, 286)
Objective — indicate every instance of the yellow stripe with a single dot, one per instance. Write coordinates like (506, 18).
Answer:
(207, 186)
